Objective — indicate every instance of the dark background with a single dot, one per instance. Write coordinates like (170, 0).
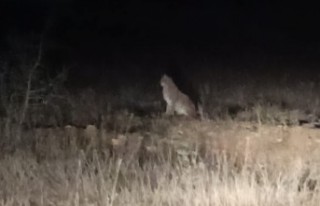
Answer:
(96, 39)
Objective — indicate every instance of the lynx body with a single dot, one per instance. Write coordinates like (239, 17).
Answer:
(177, 102)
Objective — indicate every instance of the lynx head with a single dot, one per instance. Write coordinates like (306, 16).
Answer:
(165, 80)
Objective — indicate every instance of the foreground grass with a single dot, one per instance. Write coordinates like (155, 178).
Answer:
(98, 181)
(211, 163)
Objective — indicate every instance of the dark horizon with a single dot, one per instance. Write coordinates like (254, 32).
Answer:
(95, 36)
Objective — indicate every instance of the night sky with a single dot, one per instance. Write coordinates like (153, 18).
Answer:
(96, 34)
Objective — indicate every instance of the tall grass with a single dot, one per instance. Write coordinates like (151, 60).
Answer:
(79, 181)
(238, 156)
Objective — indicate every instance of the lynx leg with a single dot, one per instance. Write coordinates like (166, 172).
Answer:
(169, 110)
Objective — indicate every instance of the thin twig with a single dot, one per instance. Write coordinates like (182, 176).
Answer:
(113, 192)
(28, 92)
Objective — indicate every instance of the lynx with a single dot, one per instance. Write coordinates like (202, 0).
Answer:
(177, 102)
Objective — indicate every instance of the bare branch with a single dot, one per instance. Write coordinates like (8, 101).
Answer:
(28, 91)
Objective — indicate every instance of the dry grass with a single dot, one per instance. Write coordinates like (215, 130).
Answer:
(211, 163)
(250, 151)
(77, 182)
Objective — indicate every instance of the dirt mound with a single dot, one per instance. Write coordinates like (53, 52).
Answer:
(247, 143)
